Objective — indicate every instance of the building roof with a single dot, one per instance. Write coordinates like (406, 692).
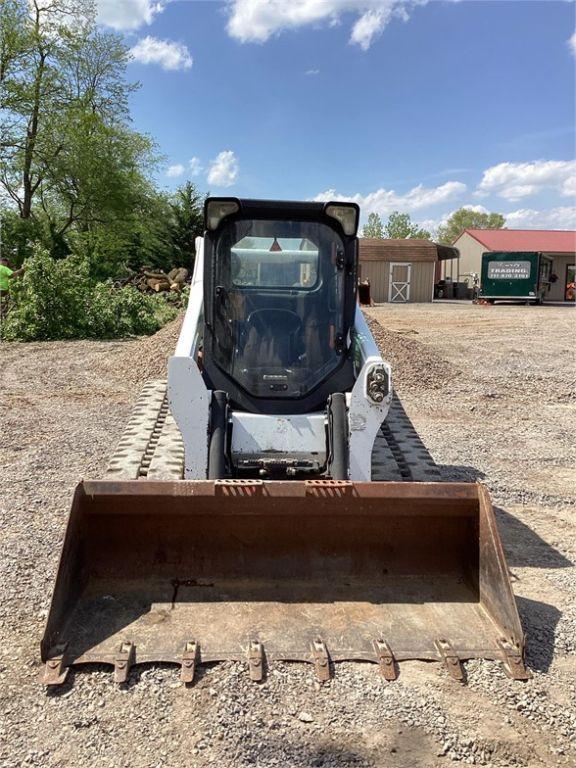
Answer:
(547, 240)
(446, 251)
(378, 249)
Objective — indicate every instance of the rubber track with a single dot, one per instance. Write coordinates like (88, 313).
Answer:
(167, 462)
(413, 460)
(152, 448)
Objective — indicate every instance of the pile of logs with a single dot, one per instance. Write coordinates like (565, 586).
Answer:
(148, 280)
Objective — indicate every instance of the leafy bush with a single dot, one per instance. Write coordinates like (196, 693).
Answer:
(18, 235)
(58, 299)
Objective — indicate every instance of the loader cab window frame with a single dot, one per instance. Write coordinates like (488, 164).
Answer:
(276, 339)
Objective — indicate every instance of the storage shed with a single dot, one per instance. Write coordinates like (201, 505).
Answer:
(402, 270)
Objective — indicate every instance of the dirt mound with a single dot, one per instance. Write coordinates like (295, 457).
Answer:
(148, 357)
(414, 365)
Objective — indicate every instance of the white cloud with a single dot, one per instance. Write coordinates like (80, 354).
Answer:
(127, 14)
(563, 217)
(223, 171)
(174, 171)
(195, 165)
(312, 71)
(430, 225)
(514, 181)
(369, 26)
(256, 21)
(170, 55)
(572, 44)
(384, 201)
(54, 15)
(569, 186)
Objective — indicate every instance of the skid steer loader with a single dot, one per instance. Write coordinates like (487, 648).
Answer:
(271, 503)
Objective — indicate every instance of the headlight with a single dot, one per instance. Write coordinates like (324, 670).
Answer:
(347, 214)
(216, 210)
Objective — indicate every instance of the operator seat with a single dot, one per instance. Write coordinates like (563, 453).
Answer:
(274, 338)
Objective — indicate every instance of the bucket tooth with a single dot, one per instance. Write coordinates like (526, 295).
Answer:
(512, 661)
(256, 661)
(450, 659)
(321, 660)
(386, 660)
(55, 672)
(189, 659)
(123, 661)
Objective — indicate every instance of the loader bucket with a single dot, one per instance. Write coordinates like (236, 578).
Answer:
(320, 571)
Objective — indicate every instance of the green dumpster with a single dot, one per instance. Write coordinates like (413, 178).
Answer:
(515, 276)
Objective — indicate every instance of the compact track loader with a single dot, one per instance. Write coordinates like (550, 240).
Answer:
(273, 501)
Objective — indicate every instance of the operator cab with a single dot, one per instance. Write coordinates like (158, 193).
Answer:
(279, 302)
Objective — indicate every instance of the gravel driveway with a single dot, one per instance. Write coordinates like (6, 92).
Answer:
(492, 392)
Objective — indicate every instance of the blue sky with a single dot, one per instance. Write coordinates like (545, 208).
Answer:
(399, 104)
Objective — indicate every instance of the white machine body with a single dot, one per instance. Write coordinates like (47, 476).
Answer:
(256, 434)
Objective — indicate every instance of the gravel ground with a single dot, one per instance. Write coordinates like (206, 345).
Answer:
(491, 391)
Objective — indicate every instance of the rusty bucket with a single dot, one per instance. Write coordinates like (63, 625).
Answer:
(318, 571)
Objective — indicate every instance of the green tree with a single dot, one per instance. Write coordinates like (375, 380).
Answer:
(187, 205)
(18, 235)
(34, 38)
(374, 227)
(68, 151)
(142, 237)
(466, 218)
(79, 205)
(400, 227)
(99, 175)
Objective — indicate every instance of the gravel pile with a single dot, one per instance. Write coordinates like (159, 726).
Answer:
(414, 365)
(147, 358)
(63, 407)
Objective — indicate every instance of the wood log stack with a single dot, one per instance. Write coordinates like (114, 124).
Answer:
(148, 280)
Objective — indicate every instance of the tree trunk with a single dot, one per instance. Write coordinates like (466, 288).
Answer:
(32, 131)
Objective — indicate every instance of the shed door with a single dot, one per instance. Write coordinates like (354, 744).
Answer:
(399, 282)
